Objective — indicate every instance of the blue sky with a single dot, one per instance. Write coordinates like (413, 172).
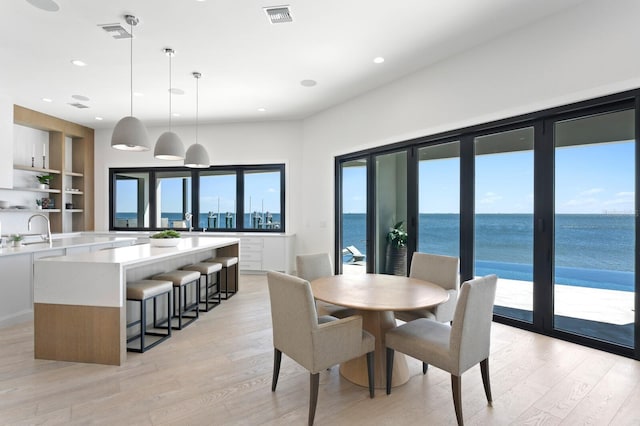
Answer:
(595, 178)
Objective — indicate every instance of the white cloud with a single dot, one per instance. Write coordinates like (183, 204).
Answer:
(490, 198)
(592, 191)
(621, 198)
(581, 202)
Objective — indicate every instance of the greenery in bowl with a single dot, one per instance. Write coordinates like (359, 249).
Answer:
(16, 238)
(169, 233)
(397, 236)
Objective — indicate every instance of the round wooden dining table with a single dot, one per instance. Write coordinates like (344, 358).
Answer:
(376, 297)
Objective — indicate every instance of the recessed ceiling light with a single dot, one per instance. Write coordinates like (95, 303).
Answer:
(47, 100)
(138, 94)
(308, 83)
(176, 114)
(80, 98)
(79, 63)
(378, 60)
(99, 118)
(176, 91)
(262, 109)
(47, 5)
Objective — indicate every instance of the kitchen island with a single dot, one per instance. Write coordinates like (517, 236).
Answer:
(80, 300)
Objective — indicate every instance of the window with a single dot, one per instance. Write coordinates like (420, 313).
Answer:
(204, 200)
(217, 200)
(262, 199)
(173, 196)
(130, 198)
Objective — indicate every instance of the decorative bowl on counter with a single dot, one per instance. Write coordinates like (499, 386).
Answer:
(168, 238)
(4, 204)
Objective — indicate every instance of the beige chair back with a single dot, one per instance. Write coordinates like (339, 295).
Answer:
(293, 315)
(438, 269)
(312, 266)
(470, 337)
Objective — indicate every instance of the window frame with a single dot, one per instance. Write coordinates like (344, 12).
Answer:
(239, 170)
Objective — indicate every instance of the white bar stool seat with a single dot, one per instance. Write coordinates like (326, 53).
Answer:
(181, 281)
(142, 291)
(227, 262)
(211, 299)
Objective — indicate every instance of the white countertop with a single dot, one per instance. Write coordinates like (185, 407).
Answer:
(63, 242)
(132, 255)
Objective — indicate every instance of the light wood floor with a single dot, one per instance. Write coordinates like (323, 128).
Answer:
(218, 372)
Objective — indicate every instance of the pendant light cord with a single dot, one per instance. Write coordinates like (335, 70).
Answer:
(170, 55)
(131, 69)
(197, 103)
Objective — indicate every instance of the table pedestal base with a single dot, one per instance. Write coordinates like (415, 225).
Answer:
(377, 323)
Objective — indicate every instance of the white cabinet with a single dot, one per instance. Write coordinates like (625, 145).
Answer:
(16, 303)
(251, 253)
(16, 284)
(267, 253)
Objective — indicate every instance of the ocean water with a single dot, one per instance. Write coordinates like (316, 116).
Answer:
(590, 250)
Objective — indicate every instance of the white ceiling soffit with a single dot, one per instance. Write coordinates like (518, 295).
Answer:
(250, 63)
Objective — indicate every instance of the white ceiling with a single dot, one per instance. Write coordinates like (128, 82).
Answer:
(246, 62)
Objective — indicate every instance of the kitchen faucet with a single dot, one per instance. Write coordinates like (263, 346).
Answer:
(46, 238)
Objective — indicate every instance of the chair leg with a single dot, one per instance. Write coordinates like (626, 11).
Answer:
(370, 365)
(425, 367)
(277, 359)
(456, 388)
(484, 369)
(313, 395)
(143, 323)
(390, 353)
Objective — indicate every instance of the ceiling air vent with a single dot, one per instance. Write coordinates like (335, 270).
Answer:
(278, 14)
(117, 31)
(78, 105)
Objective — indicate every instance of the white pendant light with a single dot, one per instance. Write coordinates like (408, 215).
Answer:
(129, 133)
(169, 146)
(197, 156)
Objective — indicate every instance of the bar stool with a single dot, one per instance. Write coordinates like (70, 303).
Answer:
(206, 269)
(142, 291)
(181, 280)
(227, 262)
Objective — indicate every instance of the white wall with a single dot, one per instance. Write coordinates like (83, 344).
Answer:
(227, 144)
(589, 51)
(6, 136)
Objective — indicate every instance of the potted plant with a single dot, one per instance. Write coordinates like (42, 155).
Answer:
(397, 250)
(44, 180)
(38, 204)
(16, 240)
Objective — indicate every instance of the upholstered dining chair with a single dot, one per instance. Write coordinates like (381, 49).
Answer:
(440, 270)
(318, 265)
(315, 346)
(454, 348)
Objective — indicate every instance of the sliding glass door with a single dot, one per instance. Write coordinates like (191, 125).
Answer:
(353, 217)
(546, 201)
(504, 218)
(594, 243)
(391, 213)
(439, 199)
